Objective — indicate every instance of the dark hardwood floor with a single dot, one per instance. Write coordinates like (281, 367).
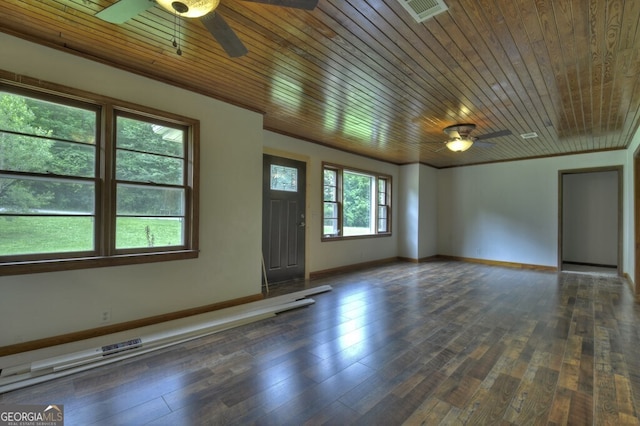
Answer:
(430, 343)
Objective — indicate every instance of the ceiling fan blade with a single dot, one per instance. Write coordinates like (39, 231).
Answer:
(123, 10)
(296, 4)
(483, 144)
(497, 134)
(224, 34)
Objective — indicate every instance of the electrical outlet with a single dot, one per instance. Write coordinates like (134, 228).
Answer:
(105, 316)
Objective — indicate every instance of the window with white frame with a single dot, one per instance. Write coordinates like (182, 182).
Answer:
(356, 203)
(88, 182)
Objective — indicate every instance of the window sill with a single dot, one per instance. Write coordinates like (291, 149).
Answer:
(354, 237)
(54, 265)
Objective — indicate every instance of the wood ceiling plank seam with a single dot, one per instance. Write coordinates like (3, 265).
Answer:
(549, 32)
(448, 70)
(477, 49)
(631, 102)
(467, 56)
(125, 64)
(631, 120)
(257, 68)
(629, 38)
(369, 58)
(630, 31)
(502, 66)
(523, 43)
(82, 27)
(239, 70)
(113, 53)
(596, 26)
(541, 54)
(84, 7)
(529, 76)
(442, 15)
(612, 72)
(196, 65)
(397, 95)
(12, 22)
(579, 21)
(511, 90)
(634, 121)
(37, 22)
(164, 40)
(567, 69)
(373, 105)
(469, 50)
(431, 89)
(481, 95)
(405, 62)
(596, 20)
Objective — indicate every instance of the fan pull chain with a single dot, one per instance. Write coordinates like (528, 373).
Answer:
(177, 34)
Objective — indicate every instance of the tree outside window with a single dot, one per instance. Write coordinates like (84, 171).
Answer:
(355, 203)
(65, 194)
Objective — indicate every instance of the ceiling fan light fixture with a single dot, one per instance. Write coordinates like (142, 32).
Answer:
(189, 8)
(459, 145)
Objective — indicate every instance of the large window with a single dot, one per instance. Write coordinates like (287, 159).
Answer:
(355, 203)
(88, 183)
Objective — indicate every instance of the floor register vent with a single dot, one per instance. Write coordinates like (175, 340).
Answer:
(121, 346)
(421, 10)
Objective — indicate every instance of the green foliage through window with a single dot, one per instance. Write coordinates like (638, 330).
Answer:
(54, 201)
(354, 202)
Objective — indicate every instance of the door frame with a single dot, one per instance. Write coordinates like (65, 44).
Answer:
(307, 208)
(636, 221)
(561, 173)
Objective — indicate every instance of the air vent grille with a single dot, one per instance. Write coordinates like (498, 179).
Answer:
(421, 10)
(530, 135)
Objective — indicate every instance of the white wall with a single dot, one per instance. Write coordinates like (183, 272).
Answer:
(327, 255)
(507, 211)
(417, 207)
(47, 304)
(590, 218)
(408, 211)
(428, 244)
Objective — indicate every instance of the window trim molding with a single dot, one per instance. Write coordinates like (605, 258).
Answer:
(104, 256)
(340, 169)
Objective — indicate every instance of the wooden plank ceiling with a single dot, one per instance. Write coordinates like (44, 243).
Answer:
(363, 76)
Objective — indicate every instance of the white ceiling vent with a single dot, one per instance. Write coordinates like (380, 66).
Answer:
(530, 135)
(422, 10)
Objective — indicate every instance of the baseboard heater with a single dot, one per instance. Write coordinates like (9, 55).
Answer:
(98, 351)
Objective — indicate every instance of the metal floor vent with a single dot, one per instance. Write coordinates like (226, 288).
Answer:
(421, 10)
(121, 346)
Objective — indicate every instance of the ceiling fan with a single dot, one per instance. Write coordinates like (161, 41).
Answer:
(123, 10)
(460, 139)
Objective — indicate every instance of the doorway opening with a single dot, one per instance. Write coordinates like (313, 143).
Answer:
(590, 221)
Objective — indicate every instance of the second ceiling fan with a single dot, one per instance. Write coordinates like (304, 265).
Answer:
(460, 138)
(123, 10)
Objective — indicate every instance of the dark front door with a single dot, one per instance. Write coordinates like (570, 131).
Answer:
(283, 218)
